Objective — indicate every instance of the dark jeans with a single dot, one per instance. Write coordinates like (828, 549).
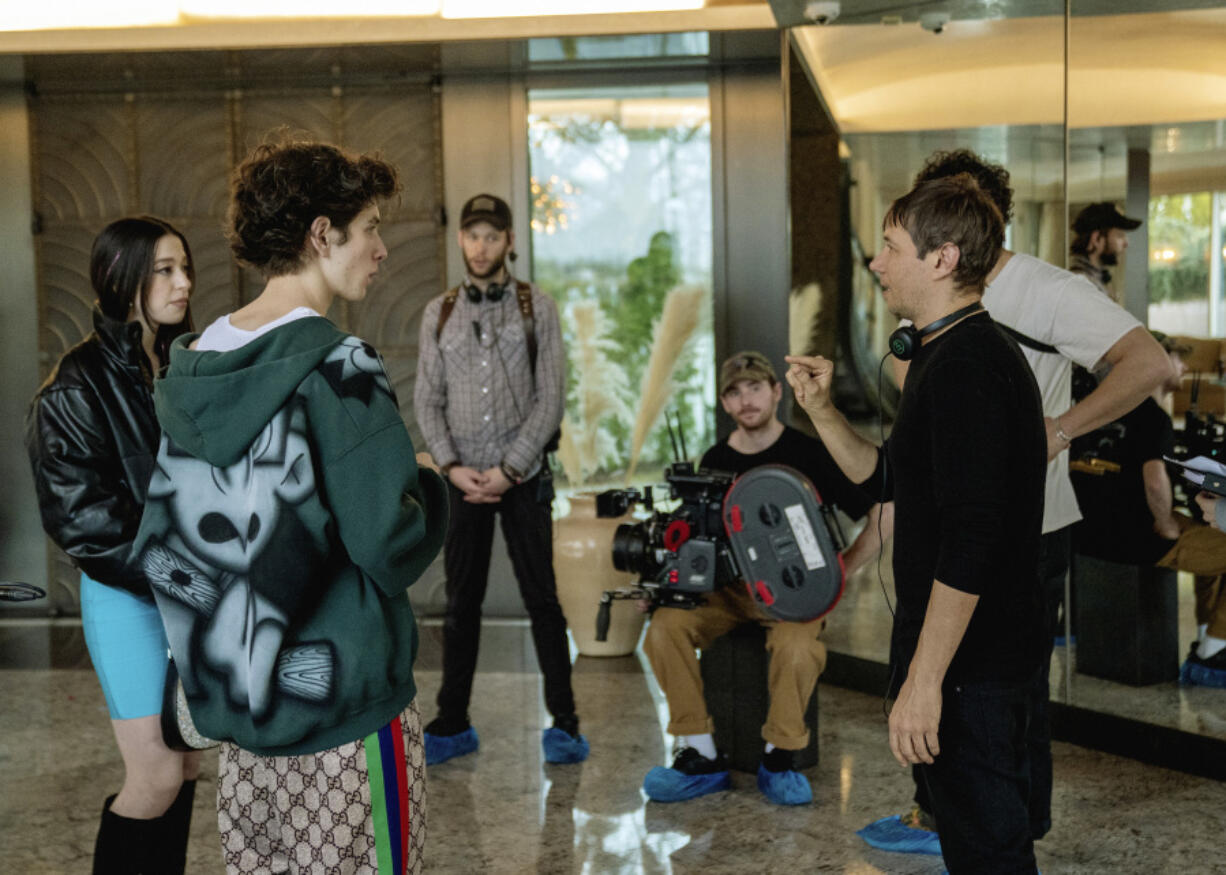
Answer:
(979, 785)
(1054, 551)
(528, 530)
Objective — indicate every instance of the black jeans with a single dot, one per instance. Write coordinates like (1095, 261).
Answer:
(528, 529)
(1054, 550)
(979, 785)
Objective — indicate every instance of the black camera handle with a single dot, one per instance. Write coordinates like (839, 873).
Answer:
(652, 594)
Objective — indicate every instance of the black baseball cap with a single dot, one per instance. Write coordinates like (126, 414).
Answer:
(1101, 217)
(486, 208)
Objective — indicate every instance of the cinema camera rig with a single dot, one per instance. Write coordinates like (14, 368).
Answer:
(767, 528)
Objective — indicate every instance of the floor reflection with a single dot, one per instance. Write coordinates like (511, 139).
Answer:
(859, 626)
(503, 810)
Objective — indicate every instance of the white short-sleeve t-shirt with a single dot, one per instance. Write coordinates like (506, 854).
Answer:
(221, 336)
(1066, 311)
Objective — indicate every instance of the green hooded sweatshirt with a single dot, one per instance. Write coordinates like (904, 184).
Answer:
(286, 517)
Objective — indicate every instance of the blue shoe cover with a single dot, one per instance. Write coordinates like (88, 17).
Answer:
(440, 748)
(784, 788)
(1194, 674)
(670, 785)
(891, 834)
(562, 747)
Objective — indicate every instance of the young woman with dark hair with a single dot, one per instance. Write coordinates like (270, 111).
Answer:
(92, 436)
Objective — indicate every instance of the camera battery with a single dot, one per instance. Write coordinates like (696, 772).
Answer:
(784, 550)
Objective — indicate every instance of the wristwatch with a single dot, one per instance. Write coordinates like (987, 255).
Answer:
(511, 474)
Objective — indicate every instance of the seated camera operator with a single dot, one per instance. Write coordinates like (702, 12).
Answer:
(1130, 517)
(750, 394)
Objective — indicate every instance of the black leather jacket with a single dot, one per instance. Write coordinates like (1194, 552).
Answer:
(92, 438)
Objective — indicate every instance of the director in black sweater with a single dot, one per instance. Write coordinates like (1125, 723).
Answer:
(965, 467)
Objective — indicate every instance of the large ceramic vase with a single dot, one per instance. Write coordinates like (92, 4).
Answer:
(583, 565)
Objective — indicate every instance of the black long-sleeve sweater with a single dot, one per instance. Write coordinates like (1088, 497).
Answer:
(966, 465)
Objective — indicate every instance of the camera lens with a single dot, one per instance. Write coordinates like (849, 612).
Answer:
(630, 544)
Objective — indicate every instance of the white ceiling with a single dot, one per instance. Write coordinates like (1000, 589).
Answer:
(1136, 69)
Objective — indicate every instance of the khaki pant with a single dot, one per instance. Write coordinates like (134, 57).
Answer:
(797, 657)
(1202, 551)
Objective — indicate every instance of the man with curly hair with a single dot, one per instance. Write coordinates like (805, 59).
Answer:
(287, 516)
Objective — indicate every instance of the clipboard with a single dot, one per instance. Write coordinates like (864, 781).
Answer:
(1214, 483)
(1209, 477)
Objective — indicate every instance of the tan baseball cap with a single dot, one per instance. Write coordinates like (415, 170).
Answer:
(747, 365)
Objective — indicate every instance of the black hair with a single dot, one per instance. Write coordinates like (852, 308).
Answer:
(121, 267)
(991, 178)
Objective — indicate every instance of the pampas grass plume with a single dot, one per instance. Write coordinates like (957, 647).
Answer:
(601, 387)
(677, 322)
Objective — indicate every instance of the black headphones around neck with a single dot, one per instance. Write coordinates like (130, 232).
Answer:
(493, 292)
(905, 340)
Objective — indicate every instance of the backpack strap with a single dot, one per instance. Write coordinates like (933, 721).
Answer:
(523, 293)
(444, 310)
(1024, 340)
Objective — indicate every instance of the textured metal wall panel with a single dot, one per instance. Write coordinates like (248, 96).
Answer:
(84, 161)
(307, 115)
(182, 157)
(158, 133)
(65, 296)
(401, 128)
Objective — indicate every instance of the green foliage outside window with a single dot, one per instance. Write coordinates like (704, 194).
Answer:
(631, 297)
(1179, 228)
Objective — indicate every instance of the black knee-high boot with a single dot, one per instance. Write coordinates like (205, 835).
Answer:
(123, 843)
(170, 855)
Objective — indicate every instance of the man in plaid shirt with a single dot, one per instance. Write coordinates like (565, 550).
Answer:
(488, 399)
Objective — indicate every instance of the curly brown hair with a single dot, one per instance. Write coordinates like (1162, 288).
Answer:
(992, 178)
(953, 209)
(282, 187)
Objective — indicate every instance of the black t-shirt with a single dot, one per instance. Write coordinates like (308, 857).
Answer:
(966, 467)
(1117, 523)
(807, 455)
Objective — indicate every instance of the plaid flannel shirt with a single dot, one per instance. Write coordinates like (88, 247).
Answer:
(476, 399)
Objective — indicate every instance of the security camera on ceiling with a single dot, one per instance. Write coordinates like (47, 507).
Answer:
(934, 21)
(822, 13)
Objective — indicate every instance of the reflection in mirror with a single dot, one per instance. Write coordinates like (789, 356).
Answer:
(1147, 134)
(898, 91)
(1145, 131)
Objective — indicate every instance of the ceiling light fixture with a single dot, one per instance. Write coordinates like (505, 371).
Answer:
(520, 8)
(70, 14)
(308, 8)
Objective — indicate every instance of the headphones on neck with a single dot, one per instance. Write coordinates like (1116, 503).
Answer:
(493, 292)
(905, 341)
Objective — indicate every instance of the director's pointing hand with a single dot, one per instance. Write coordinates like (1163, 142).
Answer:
(810, 377)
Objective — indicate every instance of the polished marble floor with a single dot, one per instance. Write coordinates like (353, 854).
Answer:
(859, 626)
(503, 810)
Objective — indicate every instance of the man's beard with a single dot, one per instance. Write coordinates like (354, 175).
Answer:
(760, 421)
(1108, 259)
(494, 269)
